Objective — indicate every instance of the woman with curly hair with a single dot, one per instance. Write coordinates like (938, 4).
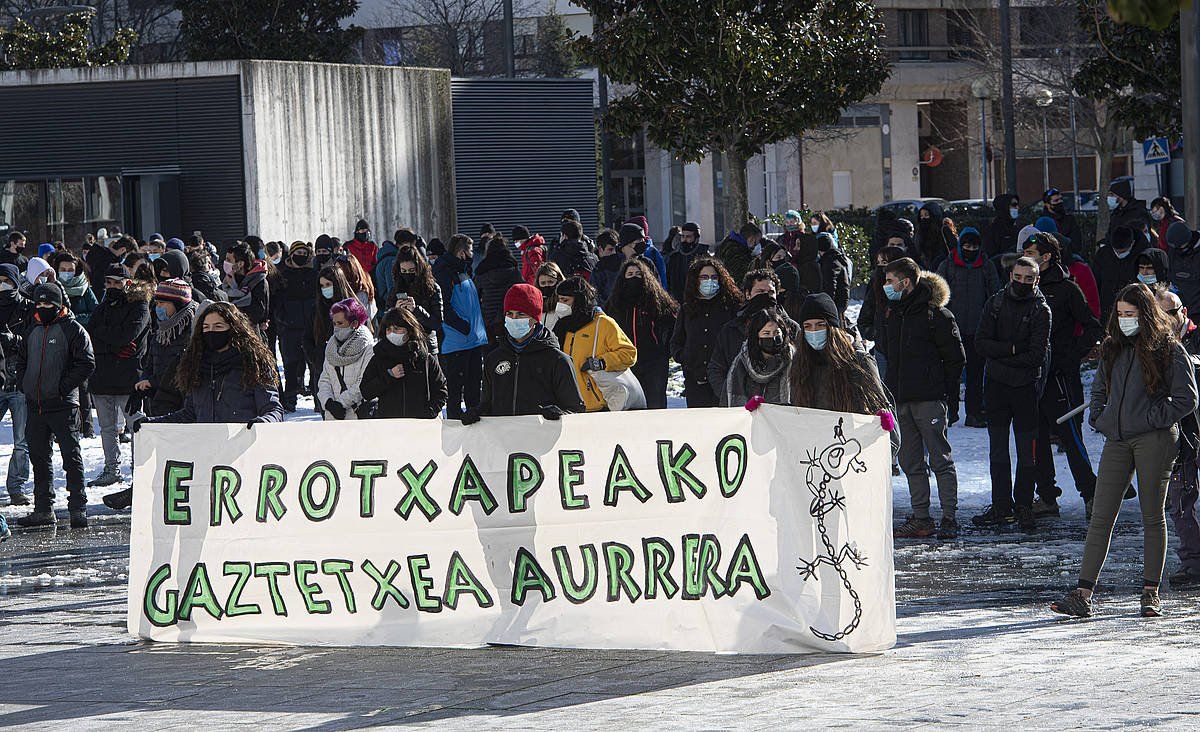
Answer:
(646, 313)
(226, 374)
(1144, 386)
(711, 299)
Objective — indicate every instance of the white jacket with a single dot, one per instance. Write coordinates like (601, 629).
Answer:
(330, 385)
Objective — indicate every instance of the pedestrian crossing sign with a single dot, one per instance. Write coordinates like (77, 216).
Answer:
(1156, 151)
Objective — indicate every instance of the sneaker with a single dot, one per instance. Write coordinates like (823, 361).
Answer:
(948, 528)
(1025, 518)
(915, 528)
(1044, 507)
(37, 518)
(79, 519)
(994, 517)
(5, 532)
(1151, 604)
(1074, 604)
(120, 500)
(18, 499)
(974, 420)
(108, 477)
(1184, 580)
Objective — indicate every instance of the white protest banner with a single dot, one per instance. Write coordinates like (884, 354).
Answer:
(706, 529)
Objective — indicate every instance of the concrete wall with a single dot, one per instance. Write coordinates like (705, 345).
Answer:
(327, 144)
(858, 152)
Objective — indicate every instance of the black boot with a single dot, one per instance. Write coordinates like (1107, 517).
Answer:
(120, 500)
(37, 518)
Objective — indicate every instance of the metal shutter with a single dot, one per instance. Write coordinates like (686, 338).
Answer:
(524, 151)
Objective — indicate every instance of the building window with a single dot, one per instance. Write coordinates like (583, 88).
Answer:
(61, 209)
(962, 33)
(525, 45)
(914, 31)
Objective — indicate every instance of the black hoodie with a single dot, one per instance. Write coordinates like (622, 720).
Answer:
(929, 235)
(419, 394)
(1068, 309)
(523, 380)
(1133, 214)
(1001, 234)
(494, 276)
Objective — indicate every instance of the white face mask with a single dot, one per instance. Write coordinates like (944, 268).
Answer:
(397, 339)
(562, 310)
(5, 287)
(1129, 326)
(815, 228)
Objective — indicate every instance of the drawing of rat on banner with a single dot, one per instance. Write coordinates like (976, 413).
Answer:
(834, 462)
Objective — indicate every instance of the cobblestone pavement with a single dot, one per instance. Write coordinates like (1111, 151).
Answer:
(977, 649)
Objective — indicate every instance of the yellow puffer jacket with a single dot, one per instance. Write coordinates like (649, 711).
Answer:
(612, 345)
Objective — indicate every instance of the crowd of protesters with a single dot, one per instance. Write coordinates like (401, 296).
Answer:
(995, 326)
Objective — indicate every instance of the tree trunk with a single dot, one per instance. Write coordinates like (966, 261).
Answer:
(736, 206)
(1106, 151)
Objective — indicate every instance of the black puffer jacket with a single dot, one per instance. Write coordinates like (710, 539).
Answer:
(297, 301)
(971, 286)
(925, 351)
(695, 336)
(678, 264)
(605, 275)
(523, 381)
(835, 277)
(52, 362)
(222, 398)
(1068, 309)
(573, 257)
(419, 394)
(1014, 337)
(119, 327)
(1001, 234)
(493, 277)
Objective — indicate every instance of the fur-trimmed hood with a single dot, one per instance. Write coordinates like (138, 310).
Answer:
(939, 289)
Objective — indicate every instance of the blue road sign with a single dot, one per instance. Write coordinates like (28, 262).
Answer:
(1156, 151)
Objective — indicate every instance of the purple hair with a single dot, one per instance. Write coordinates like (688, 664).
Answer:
(352, 309)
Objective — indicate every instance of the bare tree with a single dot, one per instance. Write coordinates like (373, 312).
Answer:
(454, 34)
(154, 21)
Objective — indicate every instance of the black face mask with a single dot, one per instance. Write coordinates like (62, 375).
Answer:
(215, 340)
(405, 279)
(633, 285)
(1020, 289)
(970, 254)
(300, 260)
(772, 345)
(761, 301)
(639, 248)
(548, 291)
(47, 314)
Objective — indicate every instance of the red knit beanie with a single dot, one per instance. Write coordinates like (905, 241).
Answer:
(525, 299)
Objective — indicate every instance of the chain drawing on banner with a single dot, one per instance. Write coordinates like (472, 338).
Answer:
(833, 463)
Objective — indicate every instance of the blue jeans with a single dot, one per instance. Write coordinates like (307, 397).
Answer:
(13, 402)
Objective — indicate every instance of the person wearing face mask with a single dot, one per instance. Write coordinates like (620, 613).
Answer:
(547, 280)
(246, 284)
(1153, 270)
(1145, 385)
(1076, 266)
(346, 357)
(836, 271)
(1055, 209)
(929, 234)
(1115, 265)
(15, 312)
(12, 252)
(1014, 337)
(737, 250)
(710, 300)
(776, 258)
(71, 275)
(646, 313)
(831, 370)
(415, 290)
(871, 322)
(972, 282)
(294, 308)
(226, 374)
(464, 333)
(762, 368)
(403, 377)
(1124, 208)
(332, 288)
(760, 290)
(793, 230)
(54, 358)
(527, 373)
(533, 251)
(362, 247)
(572, 255)
(1001, 234)
(1163, 214)
(496, 273)
(591, 338)
(154, 248)
(119, 329)
(924, 367)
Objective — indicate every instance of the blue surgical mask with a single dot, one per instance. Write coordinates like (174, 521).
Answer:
(817, 338)
(161, 313)
(709, 289)
(815, 228)
(66, 277)
(1122, 254)
(1147, 280)
(277, 259)
(327, 292)
(153, 256)
(1014, 212)
(262, 254)
(1129, 326)
(892, 293)
(518, 328)
(1112, 201)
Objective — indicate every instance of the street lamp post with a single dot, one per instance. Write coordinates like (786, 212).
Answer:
(1043, 97)
(981, 89)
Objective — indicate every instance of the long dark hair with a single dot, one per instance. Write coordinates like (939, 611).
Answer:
(258, 367)
(399, 317)
(423, 282)
(1151, 344)
(729, 295)
(322, 328)
(848, 384)
(651, 300)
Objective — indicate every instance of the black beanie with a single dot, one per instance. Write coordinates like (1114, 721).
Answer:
(631, 233)
(361, 225)
(47, 294)
(572, 286)
(323, 242)
(819, 306)
(436, 248)
(1179, 234)
(692, 227)
(1122, 238)
(487, 229)
(520, 233)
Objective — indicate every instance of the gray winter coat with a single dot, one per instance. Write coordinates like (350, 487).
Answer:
(1123, 409)
(970, 289)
